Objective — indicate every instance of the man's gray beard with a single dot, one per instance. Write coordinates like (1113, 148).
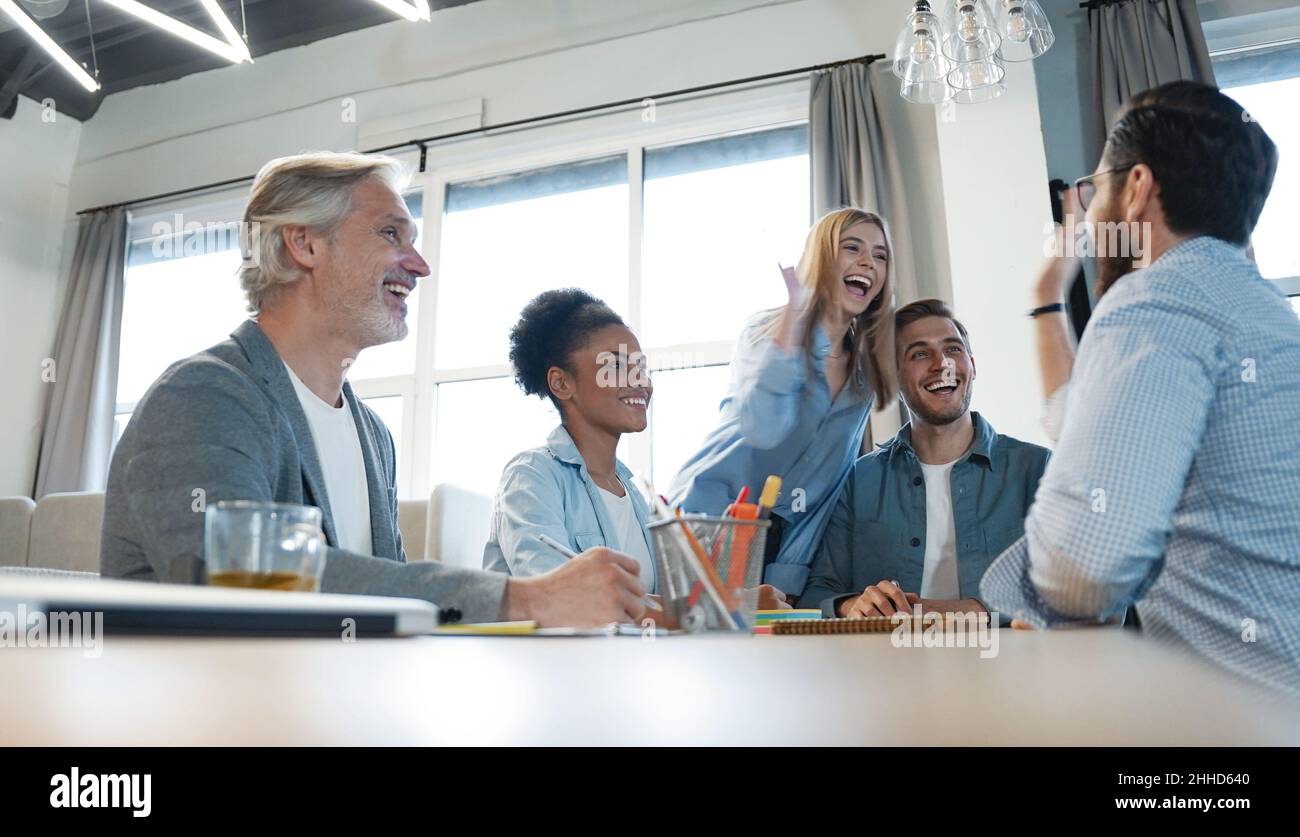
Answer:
(378, 326)
(375, 324)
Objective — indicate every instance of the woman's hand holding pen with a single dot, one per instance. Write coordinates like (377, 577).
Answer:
(594, 588)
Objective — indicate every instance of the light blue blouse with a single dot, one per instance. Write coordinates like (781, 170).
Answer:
(548, 490)
(778, 418)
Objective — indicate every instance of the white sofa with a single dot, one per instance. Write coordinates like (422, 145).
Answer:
(65, 532)
(459, 521)
(15, 530)
(61, 532)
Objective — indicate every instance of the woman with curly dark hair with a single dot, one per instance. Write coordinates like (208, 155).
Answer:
(570, 347)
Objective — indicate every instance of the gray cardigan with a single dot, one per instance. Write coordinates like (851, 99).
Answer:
(226, 424)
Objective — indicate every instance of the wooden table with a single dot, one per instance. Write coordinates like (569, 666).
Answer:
(1083, 687)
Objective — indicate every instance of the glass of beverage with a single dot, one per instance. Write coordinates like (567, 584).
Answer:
(266, 546)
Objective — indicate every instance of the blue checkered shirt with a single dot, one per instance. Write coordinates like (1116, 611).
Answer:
(1175, 486)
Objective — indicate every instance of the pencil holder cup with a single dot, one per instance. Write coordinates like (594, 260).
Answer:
(709, 570)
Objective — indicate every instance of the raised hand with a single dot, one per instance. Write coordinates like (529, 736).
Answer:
(789, 333)
(1063, 265)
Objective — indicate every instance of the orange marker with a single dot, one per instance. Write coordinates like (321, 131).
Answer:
(739, 546)
(706, 565)
(738, 557)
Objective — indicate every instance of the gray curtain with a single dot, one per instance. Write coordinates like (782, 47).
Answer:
(1141, 44)
(77, 434)
(854, 162)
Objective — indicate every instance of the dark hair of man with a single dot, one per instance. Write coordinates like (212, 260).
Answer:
(923, 308)
(1213, 162)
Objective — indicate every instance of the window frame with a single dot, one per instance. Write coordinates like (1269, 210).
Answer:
(1289, 285)
(572, 142)
(224, 206)
(227, 206)
(627, 132)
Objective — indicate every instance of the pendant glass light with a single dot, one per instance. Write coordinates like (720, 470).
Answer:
(1024, 29)
(919, 62)
(969, 27)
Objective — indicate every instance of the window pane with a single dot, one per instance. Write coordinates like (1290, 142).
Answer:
(507, 239)
(1277, 250)
(719, 215)
(173, 308)
(389, 408)
(480, 426)
(120, 422)
(683, 411)
(396, 358)
(1295, 303)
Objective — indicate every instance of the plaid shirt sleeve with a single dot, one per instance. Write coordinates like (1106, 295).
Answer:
(1137, 408)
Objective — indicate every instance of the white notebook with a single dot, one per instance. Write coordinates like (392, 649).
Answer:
(176, 609)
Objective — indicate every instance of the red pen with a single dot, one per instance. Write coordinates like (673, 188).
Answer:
(740, 498)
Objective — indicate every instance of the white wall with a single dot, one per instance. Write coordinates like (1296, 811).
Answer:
(529, 57)
(36, 158)
(995, 194)
(515, 54)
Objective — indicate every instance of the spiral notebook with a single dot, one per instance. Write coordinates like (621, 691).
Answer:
(861, 624)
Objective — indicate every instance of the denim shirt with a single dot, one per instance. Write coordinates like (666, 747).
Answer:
(547, 490)
(778, 418)
(877, 531)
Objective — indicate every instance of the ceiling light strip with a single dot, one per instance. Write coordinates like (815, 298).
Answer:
(228, 30)
(416, 11)
(235, 51)
(37, 34)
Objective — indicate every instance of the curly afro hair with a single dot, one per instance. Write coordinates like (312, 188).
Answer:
(551, 327)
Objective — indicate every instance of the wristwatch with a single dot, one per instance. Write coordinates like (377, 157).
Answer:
(1047, 309)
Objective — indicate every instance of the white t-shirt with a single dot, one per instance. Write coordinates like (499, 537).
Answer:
(334, 432)
(630, 539)
(939, 577)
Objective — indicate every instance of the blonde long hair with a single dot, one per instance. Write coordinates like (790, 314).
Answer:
(871, 350)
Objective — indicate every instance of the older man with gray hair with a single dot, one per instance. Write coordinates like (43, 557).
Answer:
(269, 416)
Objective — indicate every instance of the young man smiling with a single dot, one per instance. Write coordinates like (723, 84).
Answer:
(920, 519)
